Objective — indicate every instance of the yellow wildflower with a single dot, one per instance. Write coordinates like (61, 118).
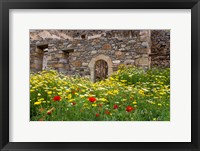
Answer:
(115, 91)
(94, 104)
(59, 93)
(134, 102)
(37, 103)
(141, 92)
(71, 100)
(109, 92)
(82, 96)
(50, 92)
(112, 79)
(68, 90)
(69, 96)
(40, 99)
(104, 100)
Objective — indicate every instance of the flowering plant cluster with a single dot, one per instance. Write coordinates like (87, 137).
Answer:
(131, 94)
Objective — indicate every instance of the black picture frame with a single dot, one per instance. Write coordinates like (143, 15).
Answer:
(5, 5)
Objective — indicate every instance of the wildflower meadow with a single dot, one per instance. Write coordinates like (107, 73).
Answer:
(130, 94)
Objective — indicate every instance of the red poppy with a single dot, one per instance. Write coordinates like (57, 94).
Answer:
(49, 112)
(129, 108)
(107, 112)
(131, 98)
(56, 98)
(41, 109)
(73, 92)
(73, 103)
(92, 99)
(97, 115)
(115, 106)
(41, 119)
(100, 105)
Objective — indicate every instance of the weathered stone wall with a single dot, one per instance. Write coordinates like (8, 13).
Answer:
(75, 51)
(160, 48)
(70, 51)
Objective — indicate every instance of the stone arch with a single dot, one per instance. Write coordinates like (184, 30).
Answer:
(92, 65)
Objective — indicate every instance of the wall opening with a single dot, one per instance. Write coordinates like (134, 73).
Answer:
(83, 36)
(41, 59)
(98, 64)
(101, 70)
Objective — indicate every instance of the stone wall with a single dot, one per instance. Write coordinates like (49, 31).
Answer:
(160, 48)
(75, 51)
(71, 51)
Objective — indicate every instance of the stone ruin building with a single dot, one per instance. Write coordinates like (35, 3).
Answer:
(97, 53)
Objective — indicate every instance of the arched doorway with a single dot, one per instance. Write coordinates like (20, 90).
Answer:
(100, 62)
(101, 70)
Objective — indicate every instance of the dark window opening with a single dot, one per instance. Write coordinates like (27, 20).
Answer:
(41, 62)
(101, 70)
(83, 36)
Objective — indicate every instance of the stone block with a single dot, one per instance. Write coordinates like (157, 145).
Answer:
(50, 50)
(37, 55)
(145, 55)
(85, 64)
(76, 63)
(145, 44)
(102, 51)
(127, 62)
(59, 55)
(49, 58)
(63, 60)
(129, 57)
(132, 41)
(119, 55)
(116, 61)
(38, 50)
(33, 66)
(65, 43)
(128, 47)
(143, 50)
(138, 56)
(73, 58)
(69, 46)
(93, 52)
(94, 36)
(59, 65)
(107, 46)
(123, 45)
(76, 54)
(143, 38)
(38, 62)
(63, 70)
(142, 61)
